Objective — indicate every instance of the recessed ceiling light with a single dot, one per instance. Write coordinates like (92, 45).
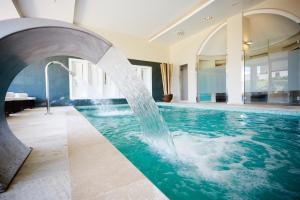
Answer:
(181, 20)
(208, 18)
(180, 33)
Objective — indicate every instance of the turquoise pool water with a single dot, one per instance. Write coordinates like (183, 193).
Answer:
(220, 154)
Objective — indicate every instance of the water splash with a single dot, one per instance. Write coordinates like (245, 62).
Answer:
(104, 106)
(139, 99)
(84, 89)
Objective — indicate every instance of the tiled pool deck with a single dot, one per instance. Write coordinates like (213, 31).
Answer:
(72, 160)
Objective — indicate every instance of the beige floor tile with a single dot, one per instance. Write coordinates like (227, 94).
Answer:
(71, 159)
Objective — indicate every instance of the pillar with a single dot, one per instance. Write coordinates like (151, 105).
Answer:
(234, 66)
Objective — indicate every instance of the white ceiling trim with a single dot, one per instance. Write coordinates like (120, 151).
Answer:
(181, 20)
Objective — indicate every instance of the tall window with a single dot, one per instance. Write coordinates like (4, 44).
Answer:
(274, 76)
(272, 59)
(90, 82)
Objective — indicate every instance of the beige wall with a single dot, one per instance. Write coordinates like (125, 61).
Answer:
(185, 51)
(135, 48)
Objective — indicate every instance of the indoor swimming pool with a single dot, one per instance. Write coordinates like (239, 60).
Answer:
(219, 154)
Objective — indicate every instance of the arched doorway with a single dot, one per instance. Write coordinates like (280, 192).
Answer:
(272, 67)
(211, 68)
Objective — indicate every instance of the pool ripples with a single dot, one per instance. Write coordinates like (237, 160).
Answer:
(221, 154)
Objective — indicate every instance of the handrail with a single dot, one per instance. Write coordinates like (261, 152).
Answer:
(47, 81)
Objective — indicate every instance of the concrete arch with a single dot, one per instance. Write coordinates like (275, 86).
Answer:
(249, 13)
(23, 41)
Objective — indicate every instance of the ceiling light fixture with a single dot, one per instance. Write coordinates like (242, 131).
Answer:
(208, 18)
(180, 33)
(248, 42)
(181, 20)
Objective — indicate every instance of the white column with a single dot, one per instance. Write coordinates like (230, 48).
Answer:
(234, 66)
(192, 82)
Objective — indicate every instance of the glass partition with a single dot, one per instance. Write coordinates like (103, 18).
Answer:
(211, 80)
(272, 72)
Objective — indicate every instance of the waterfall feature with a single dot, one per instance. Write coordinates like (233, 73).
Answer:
(139, 99)
(26, 40)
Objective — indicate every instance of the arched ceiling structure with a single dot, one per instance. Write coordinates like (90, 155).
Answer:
(260, 28)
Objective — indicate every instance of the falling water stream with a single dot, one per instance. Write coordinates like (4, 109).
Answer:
(155, 130)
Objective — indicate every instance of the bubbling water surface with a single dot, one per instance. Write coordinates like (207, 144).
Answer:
(220, 154)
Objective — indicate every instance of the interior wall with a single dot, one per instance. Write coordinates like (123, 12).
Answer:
(31, 80)
(216, 46)
(134, 47)
(185, 52)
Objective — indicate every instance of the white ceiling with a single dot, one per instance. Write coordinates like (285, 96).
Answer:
(51, 9)
(138, 18)
(7, 10)
(220, 10)
(146, 18)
